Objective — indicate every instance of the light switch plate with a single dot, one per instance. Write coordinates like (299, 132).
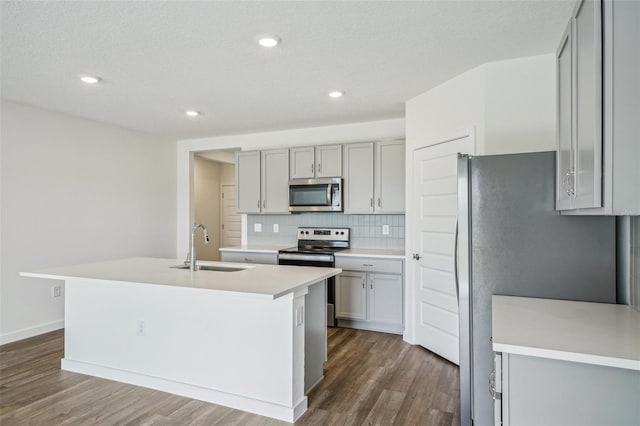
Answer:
(257, 227)
(385, 229)
(276, 228)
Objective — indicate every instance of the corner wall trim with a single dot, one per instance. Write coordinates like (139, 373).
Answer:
(25, 333)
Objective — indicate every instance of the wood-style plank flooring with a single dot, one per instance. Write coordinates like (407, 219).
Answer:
(370, 379)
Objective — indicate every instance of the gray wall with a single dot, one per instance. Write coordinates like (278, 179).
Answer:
(628, 258)
(635, 261)
(366, 230)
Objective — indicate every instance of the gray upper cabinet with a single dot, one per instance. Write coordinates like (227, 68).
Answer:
(316, 162)
(358, 178)
(389, 177)
(602, 175)
(275, 181)
(302, 162)
(374, 175)
(248, 181)
(262, 180)
(564, 130)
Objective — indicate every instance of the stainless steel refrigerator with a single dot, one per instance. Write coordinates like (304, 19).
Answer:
(511, 241)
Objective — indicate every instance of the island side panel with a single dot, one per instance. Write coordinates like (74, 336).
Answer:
(239, 345)
(315, 353)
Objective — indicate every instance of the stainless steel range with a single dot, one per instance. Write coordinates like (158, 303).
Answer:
(316, 247)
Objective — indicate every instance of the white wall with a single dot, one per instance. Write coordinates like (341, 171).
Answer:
(520, 108)
(354, 132)
(75, 191)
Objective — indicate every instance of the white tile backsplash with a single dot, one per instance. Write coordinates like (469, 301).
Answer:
(366, 230)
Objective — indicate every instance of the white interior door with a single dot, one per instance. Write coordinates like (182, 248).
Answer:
(230, 220)
(435, 212)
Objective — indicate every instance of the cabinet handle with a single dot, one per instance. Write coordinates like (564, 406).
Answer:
(371, 285)
(264, 204)
(379, 203)
(416, 256)
(362, 283)
(372, 202)
(258, 203)
(319, 167)
(311, 168)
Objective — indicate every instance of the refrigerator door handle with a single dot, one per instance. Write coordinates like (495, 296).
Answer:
(455, 260)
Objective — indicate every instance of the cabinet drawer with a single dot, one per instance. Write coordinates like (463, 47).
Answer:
(249, 257)
(369, 264)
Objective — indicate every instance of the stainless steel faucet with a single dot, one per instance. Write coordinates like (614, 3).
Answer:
(192, 254)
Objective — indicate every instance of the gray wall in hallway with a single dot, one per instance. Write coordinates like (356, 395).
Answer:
(366, 230)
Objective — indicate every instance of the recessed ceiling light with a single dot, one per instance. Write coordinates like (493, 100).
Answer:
(89, 79)
(336, 94)
(192, 113)
(268, 40)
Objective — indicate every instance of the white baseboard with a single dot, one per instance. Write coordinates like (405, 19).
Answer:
(25, 333)
(264, 408)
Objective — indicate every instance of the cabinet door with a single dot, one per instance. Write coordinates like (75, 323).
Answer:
(302, 163)
(587, 34)
(351, 295)
(358, 178)
(389, 177)
(248, 181)
(329, 161)
(564, 122)
(275, 181)
(385, 298)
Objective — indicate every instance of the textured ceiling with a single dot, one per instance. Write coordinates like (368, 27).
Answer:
(158, 58)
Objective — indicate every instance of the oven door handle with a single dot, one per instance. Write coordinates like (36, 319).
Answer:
(329, 195)
(310, 257)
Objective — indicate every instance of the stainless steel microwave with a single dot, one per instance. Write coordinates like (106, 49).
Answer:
(315, 195)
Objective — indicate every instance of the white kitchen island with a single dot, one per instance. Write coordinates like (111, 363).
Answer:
(253, 339)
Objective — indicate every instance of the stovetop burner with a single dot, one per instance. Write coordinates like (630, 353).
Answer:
(320, 241)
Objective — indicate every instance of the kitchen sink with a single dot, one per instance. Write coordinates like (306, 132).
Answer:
(216, 268)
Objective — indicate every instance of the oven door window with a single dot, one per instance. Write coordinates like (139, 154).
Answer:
(310, 195)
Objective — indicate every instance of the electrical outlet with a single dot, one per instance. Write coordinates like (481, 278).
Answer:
(56, 291)
(385, 229)
(276, 228)
(141, 328)
(257, 227)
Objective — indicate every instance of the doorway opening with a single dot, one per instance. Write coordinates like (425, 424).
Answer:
(214, 205)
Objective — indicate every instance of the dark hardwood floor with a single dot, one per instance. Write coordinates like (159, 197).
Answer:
(370, 379)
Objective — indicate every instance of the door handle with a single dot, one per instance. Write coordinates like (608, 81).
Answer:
(455, 259)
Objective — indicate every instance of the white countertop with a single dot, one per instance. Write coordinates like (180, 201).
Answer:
(265, 281)
(358, 252)
(253, 248)
(593, 333)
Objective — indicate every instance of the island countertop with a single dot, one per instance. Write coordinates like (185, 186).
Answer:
(264, 281)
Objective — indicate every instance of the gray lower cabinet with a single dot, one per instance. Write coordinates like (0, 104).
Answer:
(374, 177)
(249, 257)
(371, 298)
(540, 391)
(598, 87)
(262, 179)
